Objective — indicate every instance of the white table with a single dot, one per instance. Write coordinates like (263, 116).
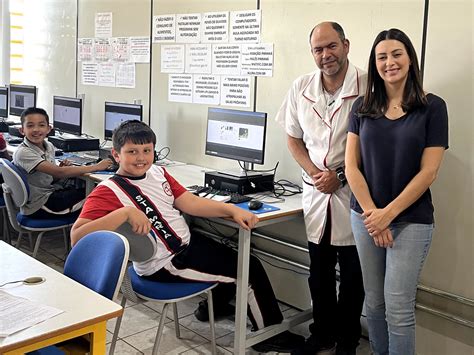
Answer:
(194, 175)
(85, 312)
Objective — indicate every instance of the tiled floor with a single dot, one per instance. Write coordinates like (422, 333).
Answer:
(140, 321)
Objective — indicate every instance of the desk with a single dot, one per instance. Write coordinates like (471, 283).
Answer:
(191, 175)
(85, 312)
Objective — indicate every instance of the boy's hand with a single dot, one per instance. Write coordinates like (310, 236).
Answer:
(138, 220)
(65, 162)
(247, 220)
(104, 164)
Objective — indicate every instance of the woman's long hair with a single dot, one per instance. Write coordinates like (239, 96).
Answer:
(375, 102)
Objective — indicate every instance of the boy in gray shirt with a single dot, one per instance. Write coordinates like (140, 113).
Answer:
(48, 197)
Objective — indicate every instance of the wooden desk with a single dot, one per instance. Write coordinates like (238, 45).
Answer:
(85, 312)
(292, 208)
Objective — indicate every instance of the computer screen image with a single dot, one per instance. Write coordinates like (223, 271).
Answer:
(67, 114)
(21, 97)
(116, 113)
(235, 134)
(3, 101)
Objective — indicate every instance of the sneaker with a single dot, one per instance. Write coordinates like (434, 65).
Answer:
(313, 346)
(202, 312)
(344, 350)
(283, 343)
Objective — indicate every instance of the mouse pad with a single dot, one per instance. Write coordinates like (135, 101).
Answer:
(264, 209)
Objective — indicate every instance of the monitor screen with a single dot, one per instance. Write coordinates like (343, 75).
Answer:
(3, 101)
(67, 114)
(21, 97)
(235, 134)
(116, 113)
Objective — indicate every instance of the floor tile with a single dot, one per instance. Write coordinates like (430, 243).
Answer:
(135, 319)
(123, 348)
(205, 349)
(169, 343)
(222, 326)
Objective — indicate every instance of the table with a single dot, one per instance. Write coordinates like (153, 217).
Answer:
(85, 311)
(191, 175)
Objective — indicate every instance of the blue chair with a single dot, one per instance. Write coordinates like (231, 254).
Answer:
(137, 288)
(98, 261)
(16, 193)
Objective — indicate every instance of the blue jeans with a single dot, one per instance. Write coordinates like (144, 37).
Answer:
(390, 281)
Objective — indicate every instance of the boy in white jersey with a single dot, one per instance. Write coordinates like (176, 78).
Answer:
(151, 201)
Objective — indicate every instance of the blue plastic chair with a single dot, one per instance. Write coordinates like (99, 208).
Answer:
(16, 193)
(137, 288)
(98, 261)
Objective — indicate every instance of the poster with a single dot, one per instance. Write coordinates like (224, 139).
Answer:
(245, 26)
(164, 29)
(188, 28)
(215, 27)
(172, 58)
(226, 59)
(103, 25)
(140, 49)
(256, 59)
(180, 88)
(206, 89)
(235, 91)
(198, 58)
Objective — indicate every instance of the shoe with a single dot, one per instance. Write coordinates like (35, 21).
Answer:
(344, 350)
(202, 312)
(313, 346)
(283, 343)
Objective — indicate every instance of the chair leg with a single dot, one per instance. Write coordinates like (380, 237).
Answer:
(18, 241)
(159, 332)
(210, 304)
(6, 234)
(30, 237)
(117, 328)
(176, 320)
(38, 241)
(66, 241)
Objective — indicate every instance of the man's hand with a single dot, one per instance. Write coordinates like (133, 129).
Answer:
(138, 220)
(247, 220)
(326, 182)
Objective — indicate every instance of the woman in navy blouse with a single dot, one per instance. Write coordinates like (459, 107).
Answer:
(395, 145)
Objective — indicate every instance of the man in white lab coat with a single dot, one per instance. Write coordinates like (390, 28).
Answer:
(315, 115)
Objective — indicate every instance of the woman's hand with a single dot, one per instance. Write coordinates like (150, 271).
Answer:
(384, 239)
(376, 220)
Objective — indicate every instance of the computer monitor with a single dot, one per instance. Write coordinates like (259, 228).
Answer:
(67, 114)
(3, 101)
(21, 97)
(235, 134)
(116, 113)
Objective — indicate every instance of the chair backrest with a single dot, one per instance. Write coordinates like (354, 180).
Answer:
(142, 247)
(15, 178)
(98, 261)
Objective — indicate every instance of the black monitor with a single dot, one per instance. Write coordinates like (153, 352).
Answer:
(21, 97)
(3, 101)
(67, 114)
(116, 113)
(235, 134)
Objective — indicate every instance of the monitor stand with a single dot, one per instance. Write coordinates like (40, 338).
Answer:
(242, 172)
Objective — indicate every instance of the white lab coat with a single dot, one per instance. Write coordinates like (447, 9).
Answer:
(305, 115)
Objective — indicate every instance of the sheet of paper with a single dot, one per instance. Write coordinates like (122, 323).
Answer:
(206, 89)
(164, 29)
(102, 49)
(215, 27)
(245, 26)
(256, 59)
(235, 91)
(106, 74)
(85, 49)
(17, 313)
(140, 49)
(103, 24)
(120, 49)
(180, 88)
(172, 58)
(226, 59)
(198, 58)
(188, 28)
(125, 75)
(90, 73)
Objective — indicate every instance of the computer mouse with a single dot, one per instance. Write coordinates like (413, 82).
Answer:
(255, 204)
(33, 280)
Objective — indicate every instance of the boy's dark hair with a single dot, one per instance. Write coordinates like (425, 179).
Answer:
(136, 132)
(32, 111)
(375, 101)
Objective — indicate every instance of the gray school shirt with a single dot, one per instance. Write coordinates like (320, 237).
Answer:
(28, 156)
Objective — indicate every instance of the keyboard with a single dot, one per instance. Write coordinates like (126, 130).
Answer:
(208, 192)
(78, 160)
(14, 141)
